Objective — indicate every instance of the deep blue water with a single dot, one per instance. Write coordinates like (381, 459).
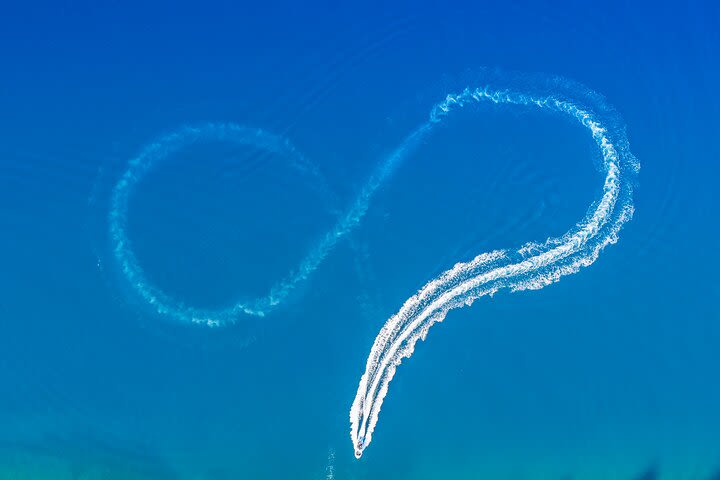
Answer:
(610, 373)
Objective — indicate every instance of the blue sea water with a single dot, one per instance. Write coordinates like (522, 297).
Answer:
(609, 374)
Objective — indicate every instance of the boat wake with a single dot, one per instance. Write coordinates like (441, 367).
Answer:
(530, 267)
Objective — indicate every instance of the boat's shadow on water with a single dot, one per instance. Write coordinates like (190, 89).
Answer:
(654, 472)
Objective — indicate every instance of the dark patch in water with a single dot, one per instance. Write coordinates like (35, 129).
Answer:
(87, 452)
(651, 473)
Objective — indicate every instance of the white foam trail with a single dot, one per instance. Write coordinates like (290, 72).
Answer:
(532, 266)
(161, 302)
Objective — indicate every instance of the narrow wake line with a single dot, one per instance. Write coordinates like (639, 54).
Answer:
(531, 267)
(330, 469)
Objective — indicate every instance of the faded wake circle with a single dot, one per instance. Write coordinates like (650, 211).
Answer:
(162, 150)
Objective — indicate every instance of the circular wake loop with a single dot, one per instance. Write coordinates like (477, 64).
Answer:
(161, 150)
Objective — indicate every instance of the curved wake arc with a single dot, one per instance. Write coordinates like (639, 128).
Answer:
(530, 267)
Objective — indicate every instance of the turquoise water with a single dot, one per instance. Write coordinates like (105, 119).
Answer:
(288, 199)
